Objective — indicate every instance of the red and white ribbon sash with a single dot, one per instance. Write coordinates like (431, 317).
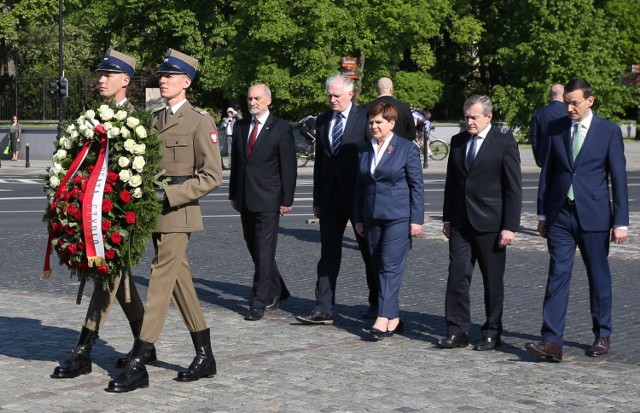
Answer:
(92, 204)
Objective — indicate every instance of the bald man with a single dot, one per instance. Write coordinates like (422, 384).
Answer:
(405, 127)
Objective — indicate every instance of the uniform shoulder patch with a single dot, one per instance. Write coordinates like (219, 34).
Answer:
(214, 137)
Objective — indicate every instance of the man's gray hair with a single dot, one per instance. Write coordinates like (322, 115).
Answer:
(267, 91)
(346, 82)
(484, 100)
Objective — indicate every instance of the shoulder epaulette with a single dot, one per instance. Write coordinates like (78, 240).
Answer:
(200, 111)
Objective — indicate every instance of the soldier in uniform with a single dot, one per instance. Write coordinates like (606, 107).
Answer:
(191, 159)
(115, 72)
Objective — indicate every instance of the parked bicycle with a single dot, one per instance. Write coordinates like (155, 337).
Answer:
(307, 154)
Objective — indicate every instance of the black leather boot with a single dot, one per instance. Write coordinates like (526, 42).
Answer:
(80, 360)
(136, 327)
(135, 373)
(203, 364)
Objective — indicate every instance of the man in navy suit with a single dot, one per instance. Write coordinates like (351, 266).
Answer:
(341, 132)
(261, 187)
(586, 154)
(481, 214)
(541, 120)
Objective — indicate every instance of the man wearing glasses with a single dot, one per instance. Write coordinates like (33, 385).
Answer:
(586, 153)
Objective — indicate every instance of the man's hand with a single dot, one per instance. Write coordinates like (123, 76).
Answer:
(284, 210)
(416, 229)
(506, 238)
(618, 235)
(446, 229)
(542, 229)
(234, 205)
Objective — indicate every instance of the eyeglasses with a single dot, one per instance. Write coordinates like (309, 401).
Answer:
(574, 103)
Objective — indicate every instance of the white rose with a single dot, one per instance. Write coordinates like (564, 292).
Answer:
(103, 107)
(141, 132)
(80, 120)
(107, 114)
(124, 132)
(65, 143)
(125, 175)
(121, 115)
(136, 193)
(71, 128)
(107, 125)
(129, 144)
(89, 133)
(74, 134)
(82, 128)
(56, 169)
(132, 122)
(123, 162)
(60, 154)
(135, 181)
(138, 163)
(139, 149)
(54, 182)
(114, 131)
(90, 114)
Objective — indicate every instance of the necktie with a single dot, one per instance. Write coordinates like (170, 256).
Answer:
(578, 140)
(576, 145)
(167, 115)
(336, 135)
(253, 136)
(471, 153)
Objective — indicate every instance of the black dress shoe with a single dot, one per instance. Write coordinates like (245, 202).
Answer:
(546, 350)
(600, 347)
(378, 334)
(254, 314)
(487, 343)
(454, 341)
(315, 318)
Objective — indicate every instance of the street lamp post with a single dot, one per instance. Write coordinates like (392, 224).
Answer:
(60, 71)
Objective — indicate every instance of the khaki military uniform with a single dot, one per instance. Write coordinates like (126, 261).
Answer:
(101, 300)
(190, 152)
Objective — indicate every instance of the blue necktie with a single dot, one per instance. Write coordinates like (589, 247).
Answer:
(336, 135)
(471, 153)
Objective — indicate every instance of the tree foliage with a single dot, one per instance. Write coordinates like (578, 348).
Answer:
(437, 51)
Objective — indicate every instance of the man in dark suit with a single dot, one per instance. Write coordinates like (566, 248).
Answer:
(405, 125)
(341, 132)
(586, 154)
(261, 187)
(541, 120)
(481, 214)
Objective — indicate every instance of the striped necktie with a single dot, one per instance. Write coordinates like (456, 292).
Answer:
(336, 134)
(471, 153)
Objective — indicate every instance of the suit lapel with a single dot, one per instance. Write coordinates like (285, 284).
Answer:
(264, 132)
(387, 152)
(245, 136)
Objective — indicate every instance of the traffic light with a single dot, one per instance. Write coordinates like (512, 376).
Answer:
(59, 88)
(64, 87)
(55, 89)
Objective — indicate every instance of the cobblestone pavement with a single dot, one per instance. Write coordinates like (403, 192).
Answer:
(277, 365)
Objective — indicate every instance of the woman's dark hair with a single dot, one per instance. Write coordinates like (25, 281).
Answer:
(387, 110)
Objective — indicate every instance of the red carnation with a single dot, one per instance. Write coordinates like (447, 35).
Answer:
(72, 249)
(56, 228)
(54, 205)
(78, 179)
(109, 254)
(74, 192)
(102, 270)
(90, 168)
(112, 177)
(81, 197)
(74, 212)
(125, 196)
(107, 205)
(108, 188)
(130, 217)
(69, 230)
(106, 224)
(116, 238)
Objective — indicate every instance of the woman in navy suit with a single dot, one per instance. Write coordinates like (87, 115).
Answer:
(389, 209)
